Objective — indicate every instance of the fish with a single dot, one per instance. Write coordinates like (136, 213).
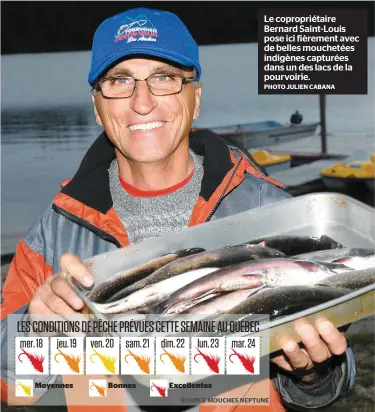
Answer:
(357, 262)
(153, 292)
(255, 274)
(217, 258)
(123, 279)
(284, 300)
(218, 304)
(294, 245)
(352, 280)
(333, 254)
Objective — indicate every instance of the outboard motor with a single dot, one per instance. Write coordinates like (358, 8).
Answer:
(296, 118)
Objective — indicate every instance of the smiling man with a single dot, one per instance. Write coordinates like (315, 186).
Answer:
(148, 174)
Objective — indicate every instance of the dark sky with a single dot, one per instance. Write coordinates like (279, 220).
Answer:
(30, 27)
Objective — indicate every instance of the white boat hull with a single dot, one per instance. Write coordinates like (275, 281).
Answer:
(250, 139)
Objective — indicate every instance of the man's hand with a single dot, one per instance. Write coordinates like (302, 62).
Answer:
(55, 296)
(320, 343)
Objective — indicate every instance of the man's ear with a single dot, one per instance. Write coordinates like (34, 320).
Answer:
(198, 96)
(97, 117)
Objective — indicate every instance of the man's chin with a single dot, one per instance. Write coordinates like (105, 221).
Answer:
(148, 158)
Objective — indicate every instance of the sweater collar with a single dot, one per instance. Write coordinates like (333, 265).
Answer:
(90, 184)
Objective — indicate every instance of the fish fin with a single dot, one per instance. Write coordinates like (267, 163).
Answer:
(164, 312)
(330, 242)
(307, 264)
(336, 266)
(323, 282)
(252, 291)
(202, 295)
(262, 243)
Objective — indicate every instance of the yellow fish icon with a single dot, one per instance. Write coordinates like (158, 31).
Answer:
(107, 361)
(26, 388)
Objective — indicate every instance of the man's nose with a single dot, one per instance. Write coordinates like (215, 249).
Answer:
(143, 101)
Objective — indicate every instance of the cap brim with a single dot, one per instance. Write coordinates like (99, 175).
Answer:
(155, 52)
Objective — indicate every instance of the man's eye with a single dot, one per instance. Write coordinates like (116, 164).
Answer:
(121, 80)
(164, 77)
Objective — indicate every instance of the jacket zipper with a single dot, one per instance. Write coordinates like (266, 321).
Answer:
(225, 189)
(86, 225)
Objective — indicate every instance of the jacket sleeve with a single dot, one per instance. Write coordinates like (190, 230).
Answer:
(321, 393)
(270, 193)
(330, 387)
(27, 272)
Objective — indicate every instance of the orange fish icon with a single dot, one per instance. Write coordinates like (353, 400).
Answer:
(100, 389)
(177, 360)
(142, 361)
(72, 361)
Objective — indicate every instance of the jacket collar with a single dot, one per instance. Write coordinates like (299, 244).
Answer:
(90, 184)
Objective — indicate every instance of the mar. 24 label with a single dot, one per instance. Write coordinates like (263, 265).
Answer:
(242, 356)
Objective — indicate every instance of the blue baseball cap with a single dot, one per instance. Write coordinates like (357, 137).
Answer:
(142, 31)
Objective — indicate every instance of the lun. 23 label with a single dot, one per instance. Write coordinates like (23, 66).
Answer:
(207, 356)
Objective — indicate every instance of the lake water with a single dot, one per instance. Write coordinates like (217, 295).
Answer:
(48, 122)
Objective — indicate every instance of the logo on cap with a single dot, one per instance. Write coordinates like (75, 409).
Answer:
(139, 29)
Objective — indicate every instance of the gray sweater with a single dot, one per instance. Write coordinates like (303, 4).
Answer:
(148, 217)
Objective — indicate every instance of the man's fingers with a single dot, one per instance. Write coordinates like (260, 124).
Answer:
(60, 287)
(315, 347)
(282, 363)
(297, 357)
(71, 264)
(59, 306)
(38, 307)
(333, 338)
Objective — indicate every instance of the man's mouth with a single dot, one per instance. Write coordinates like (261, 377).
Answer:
(146, 126)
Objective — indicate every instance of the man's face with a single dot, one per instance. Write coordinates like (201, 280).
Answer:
(170, 116)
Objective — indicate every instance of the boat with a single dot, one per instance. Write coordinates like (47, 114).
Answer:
(354, 170)
(267, 133)
(272, 162)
